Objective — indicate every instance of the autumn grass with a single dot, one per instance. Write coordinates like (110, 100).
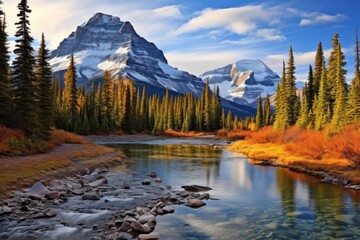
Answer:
(309, 151)
(237, 134)
(173, 133)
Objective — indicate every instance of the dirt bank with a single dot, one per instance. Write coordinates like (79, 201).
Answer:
(64, 160)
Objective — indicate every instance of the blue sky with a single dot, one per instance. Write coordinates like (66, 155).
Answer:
(197, 36)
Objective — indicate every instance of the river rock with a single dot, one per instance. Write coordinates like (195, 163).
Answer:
(196, 188)
(125, 185)
(25, 201)
(48, 213)
(77, 192)
(91, 196)
(52, 195)
(98, 182)
(147, 217)
(153, 175)
(124, 236)
(168, 209)
(5, 210)
(92, 177)
(195, 203)
(204, 196)
(146, 182)
(118, 223)
(125, 227)
(138, 227)
(37, 189)
(158, 180)
(150, 236)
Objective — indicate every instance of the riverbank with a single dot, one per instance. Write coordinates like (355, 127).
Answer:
(335, 170)
(60, 162)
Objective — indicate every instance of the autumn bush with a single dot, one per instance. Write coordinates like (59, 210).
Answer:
(265, 135)
(5, 135)
(174, 133)
(61, 136)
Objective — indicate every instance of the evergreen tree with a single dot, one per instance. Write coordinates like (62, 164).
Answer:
(267, 111)
(5, 78)
(43, 78)
(340, 92)
(311, 89)
(322, 103)
(353, 102)
(319, 61)
(207, 107)
(303, 119)
(291, 98)
(71, 93)
(259, 120)
(23, 75)
(281, 117)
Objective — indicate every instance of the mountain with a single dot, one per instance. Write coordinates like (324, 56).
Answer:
(242, 82)
(106, 43)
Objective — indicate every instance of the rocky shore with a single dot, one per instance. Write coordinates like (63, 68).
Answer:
(102, 204)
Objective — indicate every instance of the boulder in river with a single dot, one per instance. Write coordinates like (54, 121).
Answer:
(52, 195)
(138, 227)
(195, 203)
(38, 189)
(196, 188)
(48, 213)
(98, 182)
(125, 185)
(168, 209)
(91, 196)
(147, 217)
(146, 182)
(153, 174)
(92, 177)
(150, 236)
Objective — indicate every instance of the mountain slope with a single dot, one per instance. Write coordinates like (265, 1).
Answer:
(106, 43)
(242, 82)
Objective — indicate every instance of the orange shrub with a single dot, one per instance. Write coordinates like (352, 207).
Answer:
(265, 135)
(346, 144)
(307, 143)
(174, 133)
(237, 134)
(61, 136)
(5, 135)
(222, 133)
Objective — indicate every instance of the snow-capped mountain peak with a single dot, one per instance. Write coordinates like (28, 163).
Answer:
(243, 81)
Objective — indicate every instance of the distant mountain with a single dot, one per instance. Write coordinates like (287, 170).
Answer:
(106, 43)
(242, 82)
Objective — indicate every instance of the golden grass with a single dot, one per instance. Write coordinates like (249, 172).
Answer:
(21, 171)
(173, 133)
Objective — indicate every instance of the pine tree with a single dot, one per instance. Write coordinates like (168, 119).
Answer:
(340, 92)
(23, 75)
(43, 78)
(322, 102)
(267, 111)
(5, 78)
(353, 102)
(311, 89)
(336, 71)
(303, 119)
(207, 107)
(281, 116)
(291, 98)
(259, 115)
(71, 92)
(319, 60)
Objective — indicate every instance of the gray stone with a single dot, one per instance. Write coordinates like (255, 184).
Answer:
(92, 177)
(168, 209)
(118, 223)
(125, 227)
(125, 185)
(124, 236)
(147, 217)
(38, 189)
(153, 175)
(138, 227)
(195, 203)
(146, 182)
(5, 210)
(98, 182)
(204, 196)
(25, 201)
(150, 236)
(77, 192)
(52, 195)
(158, 180)
(91, 196)
(48, 213)
(196, 188)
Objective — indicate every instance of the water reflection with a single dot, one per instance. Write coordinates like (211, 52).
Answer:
(255, 201)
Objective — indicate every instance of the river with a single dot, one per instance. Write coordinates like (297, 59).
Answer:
(255, 202)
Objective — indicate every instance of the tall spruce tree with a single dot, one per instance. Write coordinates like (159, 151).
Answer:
(5, 78)
(43, 79)
(259, 119)
(71, 93)
(321, 107)
(291, 98)
(267, 111)
(311, 89)
(303, 119)
(319, 60)
(353, 102)
(207, 107)
(23, 75)
(280, 103)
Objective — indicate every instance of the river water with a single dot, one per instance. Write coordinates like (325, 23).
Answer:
(254, 202)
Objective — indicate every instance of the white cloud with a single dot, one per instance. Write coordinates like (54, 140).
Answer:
(270, 34)
(316, 18)
(240, 20)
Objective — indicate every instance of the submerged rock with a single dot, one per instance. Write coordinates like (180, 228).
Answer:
(195, 203)
(98, 182)
(146, 182)
(153, 174)
(196, 188)
(150, 236)
(91, 196)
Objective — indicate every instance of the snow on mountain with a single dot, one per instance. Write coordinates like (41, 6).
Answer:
(106, 43)
(242, 82)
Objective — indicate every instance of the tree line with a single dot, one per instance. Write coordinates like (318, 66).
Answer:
(326, 99)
